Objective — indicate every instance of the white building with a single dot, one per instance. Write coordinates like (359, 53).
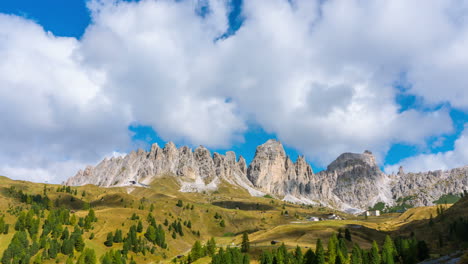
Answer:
(372, 213)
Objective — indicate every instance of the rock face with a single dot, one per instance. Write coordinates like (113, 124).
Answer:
(425, 187)
(196, 170)
(353, 182)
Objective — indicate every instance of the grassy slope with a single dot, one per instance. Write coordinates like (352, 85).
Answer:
(114, 206)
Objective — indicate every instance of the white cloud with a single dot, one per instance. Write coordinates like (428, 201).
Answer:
(54, 116)
(319, 74)
(457, 157)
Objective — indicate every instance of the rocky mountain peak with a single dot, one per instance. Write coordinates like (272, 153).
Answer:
(271, 150)
(352, 182)
(353, 159)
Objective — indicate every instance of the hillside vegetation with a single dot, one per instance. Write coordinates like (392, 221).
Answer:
(44, 223)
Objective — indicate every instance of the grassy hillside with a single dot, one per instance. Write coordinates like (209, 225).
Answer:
(185, 218)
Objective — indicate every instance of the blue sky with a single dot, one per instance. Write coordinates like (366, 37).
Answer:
(379, 91)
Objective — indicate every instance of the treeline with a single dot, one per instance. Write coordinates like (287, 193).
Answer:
(39, 200)
(400, 250)
(218, 255)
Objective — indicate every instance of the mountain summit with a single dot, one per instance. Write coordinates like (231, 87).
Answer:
(353, 182)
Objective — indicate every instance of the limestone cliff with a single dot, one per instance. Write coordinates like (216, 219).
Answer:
(352, 182)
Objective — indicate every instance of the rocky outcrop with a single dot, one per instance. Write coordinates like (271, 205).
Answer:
(423, 188)
(353, 182)
(196, 170)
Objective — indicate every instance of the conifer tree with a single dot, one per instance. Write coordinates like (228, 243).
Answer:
(118, 236)
(196, 251)
(110, 240)
(356, 255)
(375, 256)
(388, 251)
(151, 234)
(79, 243)
(332, 248)
(211, 247)
(319, 252)
(87, 257)
(67, 247)
(348, 235)
(245, 247)
(309, 257)
(140, 227)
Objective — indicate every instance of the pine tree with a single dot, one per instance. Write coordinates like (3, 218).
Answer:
(298, 255)
(87, 257)
(319, 252)
(342, 247)
(6, 229)
(67, 247)
(151, 234)
(180, 203)
(118, 236)
(140, 227)
(332, 248)
(348, 234)
(245, 243)
(309, 257)
(356, 255)
(110, 240)
(265, 258)
(211, 247)
(2, 225)
(388, 251)
(106, 259)
(222, 224)
(196, 251)
(79, 243)
(65, 234)
(375, 256)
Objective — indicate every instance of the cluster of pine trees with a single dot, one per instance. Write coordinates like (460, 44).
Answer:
(41, 201)
(230, 256)
(402, 250)
(54, 239)
(218, 255)
(115, 257)
(67, 189)
(113, 238)
(176, 228)
(155, 233)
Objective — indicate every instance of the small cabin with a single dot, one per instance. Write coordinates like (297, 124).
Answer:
(133, 182)
(372, 213)
(274, 242)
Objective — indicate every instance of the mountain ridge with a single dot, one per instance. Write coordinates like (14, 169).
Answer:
(353, 182)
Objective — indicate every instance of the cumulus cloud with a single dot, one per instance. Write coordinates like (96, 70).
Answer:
(457, 157)
(54, 117)
(319, 74)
